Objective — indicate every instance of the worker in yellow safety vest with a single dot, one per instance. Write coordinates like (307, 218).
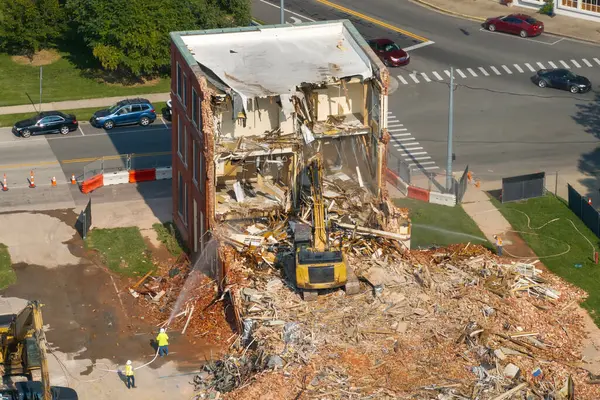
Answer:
(163, 342)
(129, 375)
(498, 245)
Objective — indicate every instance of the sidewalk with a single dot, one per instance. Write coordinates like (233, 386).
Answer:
(480, 10)
(84, 103)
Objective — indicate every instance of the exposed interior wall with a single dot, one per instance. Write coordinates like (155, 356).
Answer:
(263, 115)
(341, 99)
(273, 169)
(350, 156)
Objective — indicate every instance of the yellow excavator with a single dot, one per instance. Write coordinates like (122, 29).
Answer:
(23, 353)
(318, 266)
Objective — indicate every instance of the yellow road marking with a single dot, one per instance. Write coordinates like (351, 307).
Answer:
(373, 20)
(81, 160)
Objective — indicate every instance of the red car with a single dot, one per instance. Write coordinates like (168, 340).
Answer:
(517, 24)
(389, 52)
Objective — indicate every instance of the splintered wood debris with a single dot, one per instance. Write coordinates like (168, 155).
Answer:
(450, 323)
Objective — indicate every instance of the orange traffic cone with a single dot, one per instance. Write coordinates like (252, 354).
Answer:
(73, 180)
(4, 184)
(53, 181)
(31, 180)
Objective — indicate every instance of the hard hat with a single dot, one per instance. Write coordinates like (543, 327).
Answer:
(128, 362)
(162, 330)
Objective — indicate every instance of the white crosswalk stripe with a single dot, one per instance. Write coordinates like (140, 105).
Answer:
(472, 72)
(409, 150)
(503, 69)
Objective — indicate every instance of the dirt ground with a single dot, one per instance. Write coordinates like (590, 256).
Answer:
(91, 318)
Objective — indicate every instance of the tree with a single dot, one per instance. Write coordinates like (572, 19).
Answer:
(27, 26)
(132, 36)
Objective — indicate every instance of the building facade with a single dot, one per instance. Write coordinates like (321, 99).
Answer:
(585, 9)
(251, 105)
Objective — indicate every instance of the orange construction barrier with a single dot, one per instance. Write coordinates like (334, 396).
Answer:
(142, 175)
(4, 184)
(53, 181)
(95, 182)
(31, 180)
(418, 194)
(73, 180)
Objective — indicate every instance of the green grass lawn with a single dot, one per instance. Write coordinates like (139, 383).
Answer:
(123, 250)
(169, 236)
(555, 238)
(434, 224)
(82, 114)
(61, 80)
(7, 274)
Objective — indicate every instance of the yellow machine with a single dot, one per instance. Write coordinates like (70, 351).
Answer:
(318, 266)
(24, 348)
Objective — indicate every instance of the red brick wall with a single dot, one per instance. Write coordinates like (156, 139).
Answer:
(183, 114)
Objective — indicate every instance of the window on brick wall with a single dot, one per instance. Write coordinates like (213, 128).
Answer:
(195, 161)
(195, 107)
(182, 200)
(180, 142)
(179, 81)
(185, 91)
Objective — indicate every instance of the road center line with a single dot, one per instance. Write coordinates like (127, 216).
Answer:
(373, 20)
(80, 160)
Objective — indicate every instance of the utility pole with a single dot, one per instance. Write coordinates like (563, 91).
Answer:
(282, 9)
(450, 127)
(40, 110)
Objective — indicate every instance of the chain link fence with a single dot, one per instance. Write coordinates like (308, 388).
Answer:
(127, 162)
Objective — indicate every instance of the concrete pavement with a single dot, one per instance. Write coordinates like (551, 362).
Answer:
(76, 104)
(480, 10)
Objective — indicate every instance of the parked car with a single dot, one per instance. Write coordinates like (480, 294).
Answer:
(389, 52)
(167, 112)
(562, 79)
(46, 122)
(517, 24)
(125, 112)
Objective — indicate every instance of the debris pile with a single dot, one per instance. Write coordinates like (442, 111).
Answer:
(444, 324)
(183, 299)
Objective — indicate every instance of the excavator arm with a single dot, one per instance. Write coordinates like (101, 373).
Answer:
(40, 336)
(320, 233)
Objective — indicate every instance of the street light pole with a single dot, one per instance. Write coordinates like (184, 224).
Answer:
(450, 128)
(281, 7)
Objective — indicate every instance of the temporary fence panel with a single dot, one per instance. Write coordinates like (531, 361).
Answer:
(586, 212)
(397, 165)
(84, 222)
(523, 187)
(92, 169)
(153, 160)
(460, 187)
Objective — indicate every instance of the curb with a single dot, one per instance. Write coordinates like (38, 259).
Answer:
(479, 19)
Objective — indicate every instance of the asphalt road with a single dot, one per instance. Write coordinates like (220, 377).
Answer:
(503, 124)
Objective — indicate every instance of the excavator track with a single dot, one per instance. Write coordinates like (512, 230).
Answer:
(352, 284)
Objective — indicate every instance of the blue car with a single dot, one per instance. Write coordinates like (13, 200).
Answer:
(125, 112)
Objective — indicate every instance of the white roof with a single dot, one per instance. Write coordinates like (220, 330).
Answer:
(273, 61)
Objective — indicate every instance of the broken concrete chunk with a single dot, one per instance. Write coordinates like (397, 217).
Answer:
(401, 327)
(275, 362)
(511, 371)
(420, 311)
(252, 294)
(395, 297)
(423, 297)
(500, 354)
(274, 285)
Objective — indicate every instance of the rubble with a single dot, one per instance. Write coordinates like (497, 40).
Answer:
(447, 323)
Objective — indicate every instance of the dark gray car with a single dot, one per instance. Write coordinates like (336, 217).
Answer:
(562, 79)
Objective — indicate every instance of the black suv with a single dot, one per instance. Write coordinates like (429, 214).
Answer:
(46, 122)
(125, 112)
